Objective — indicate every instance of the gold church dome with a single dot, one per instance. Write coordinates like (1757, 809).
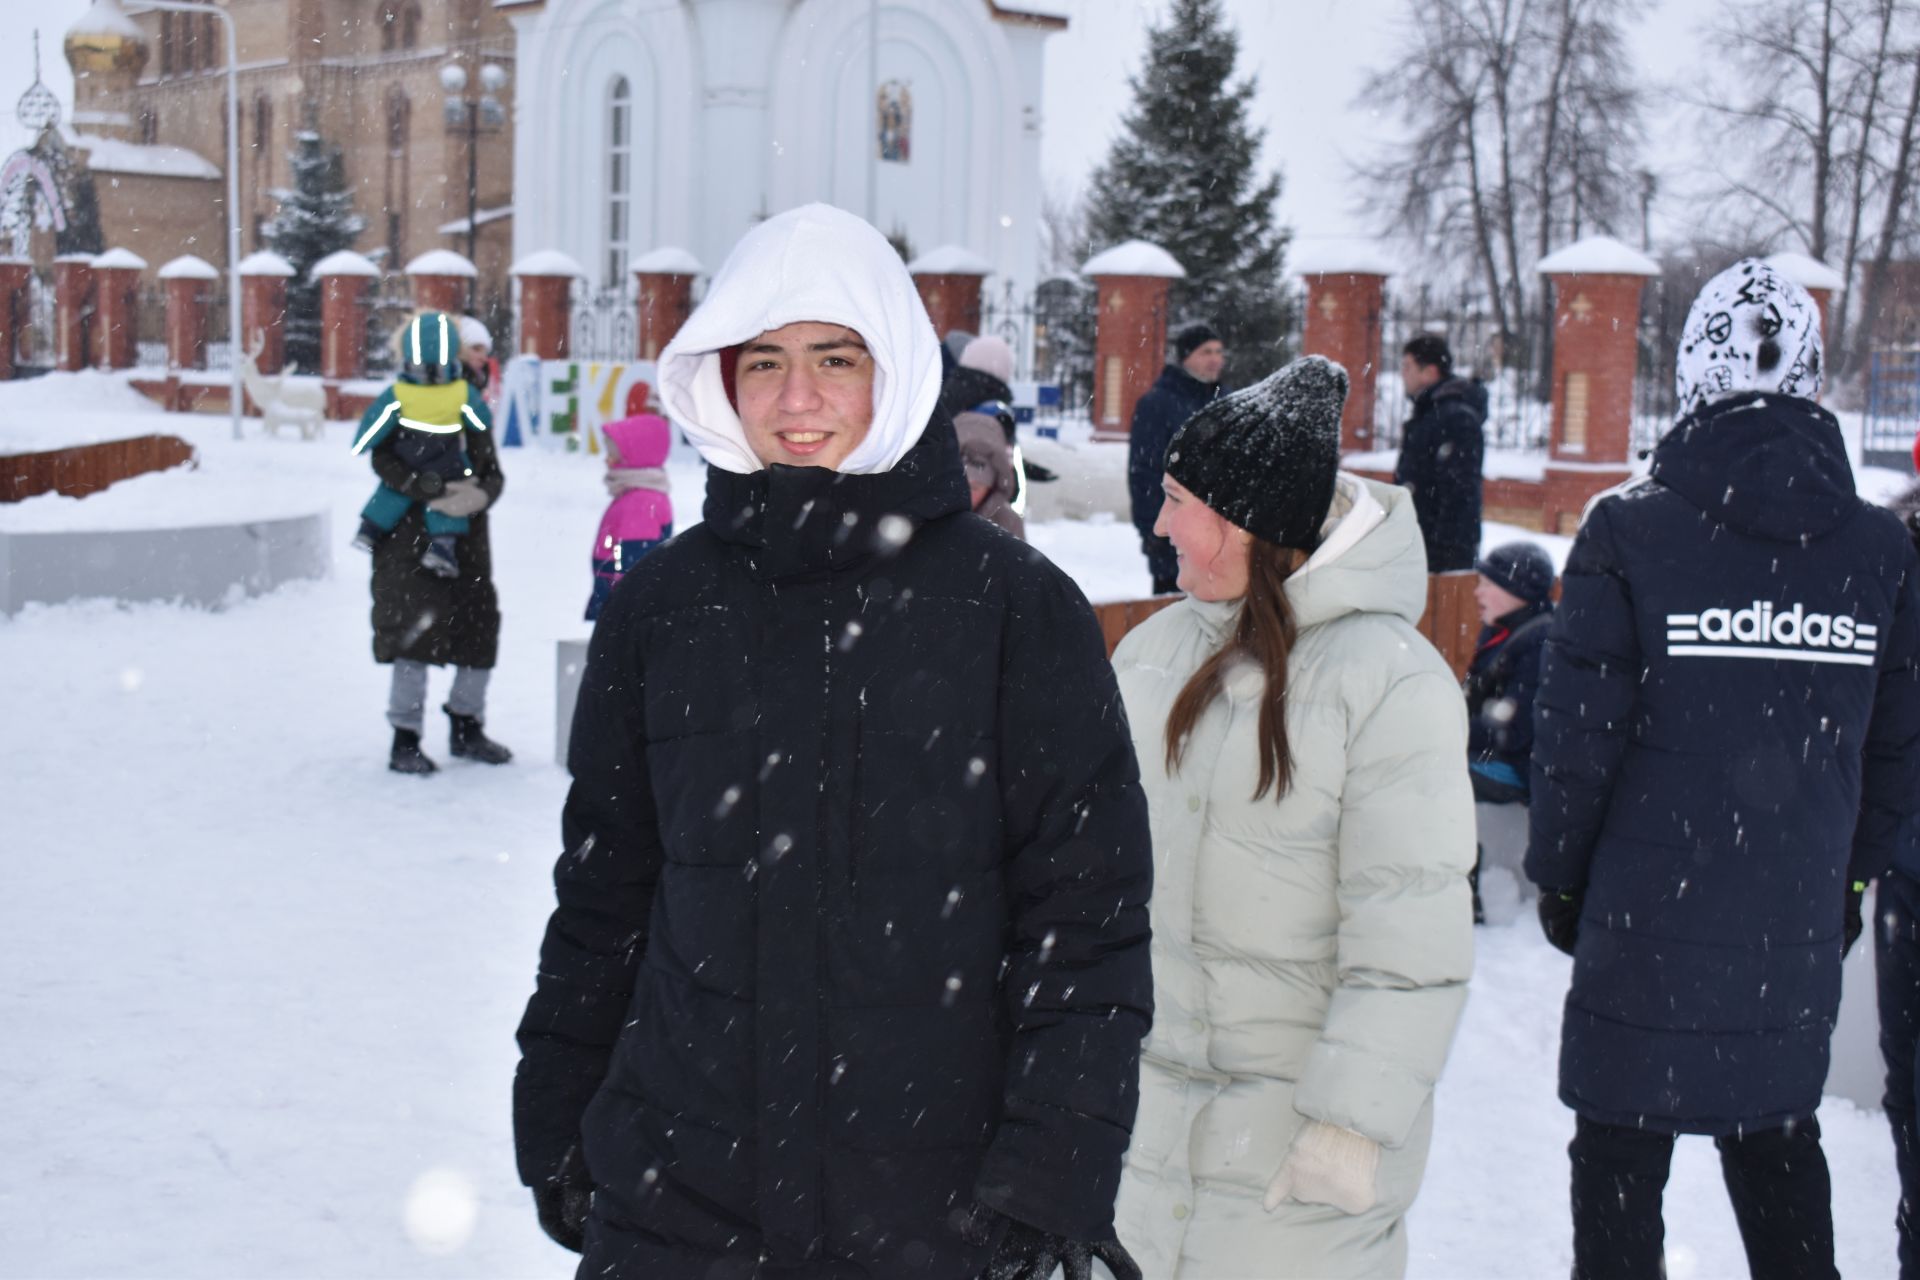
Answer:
(106, 39)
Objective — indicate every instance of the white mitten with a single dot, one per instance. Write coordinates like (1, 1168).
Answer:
(1327, 1165)
(461, 498)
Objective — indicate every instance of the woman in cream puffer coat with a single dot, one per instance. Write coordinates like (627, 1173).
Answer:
(1310, 952)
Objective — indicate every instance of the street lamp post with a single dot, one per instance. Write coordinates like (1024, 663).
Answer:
(233, 191)
(467, 113)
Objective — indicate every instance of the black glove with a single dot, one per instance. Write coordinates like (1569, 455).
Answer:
(430, 484)
(1560, 917)
(1028, 1253)
(563, 1201)
(1851, 925)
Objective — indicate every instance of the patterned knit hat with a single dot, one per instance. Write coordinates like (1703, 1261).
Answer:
(1751, 329)
(1265, 457)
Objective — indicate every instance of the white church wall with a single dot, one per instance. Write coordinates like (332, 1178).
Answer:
(569, 58)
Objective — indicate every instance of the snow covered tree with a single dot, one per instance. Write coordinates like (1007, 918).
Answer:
(315, 218)
(1184, 174)
(75, 181)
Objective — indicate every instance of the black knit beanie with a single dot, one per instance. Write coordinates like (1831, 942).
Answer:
(1265, 457)
(1191, 339)
(1522, 569)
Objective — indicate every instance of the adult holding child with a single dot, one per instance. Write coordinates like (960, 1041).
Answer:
(1303, 751)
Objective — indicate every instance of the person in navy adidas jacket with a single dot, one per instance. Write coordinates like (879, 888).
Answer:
(1726, 744)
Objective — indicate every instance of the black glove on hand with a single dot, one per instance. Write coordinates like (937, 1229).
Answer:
(1851, 925)
(564, 1201)
(1560, 917)
(1028, 1253)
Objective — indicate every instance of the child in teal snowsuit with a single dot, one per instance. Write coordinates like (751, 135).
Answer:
(426, 414)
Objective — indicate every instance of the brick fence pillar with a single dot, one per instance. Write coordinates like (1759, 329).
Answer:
(1130, 329)
(948, 279)
(16, 279)
(1344, 304)
(1818, 279)
(72, 311)
(1596, 289)
(116, 291)
(263, 307)
(546, 303)
(344, 280)
(188, 298)
(442, 281)
(663, 283)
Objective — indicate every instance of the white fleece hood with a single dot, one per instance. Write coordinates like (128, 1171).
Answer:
(821, 264)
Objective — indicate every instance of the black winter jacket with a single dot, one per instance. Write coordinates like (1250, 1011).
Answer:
(852, 927)
(1727, 733)
(419, 615)
(1501, 682)
(1175, 396)
(1442, 448)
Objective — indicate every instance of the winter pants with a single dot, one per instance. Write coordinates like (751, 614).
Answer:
(407, 698)
(1776, 1178)
(387, 507)
(1896, 938)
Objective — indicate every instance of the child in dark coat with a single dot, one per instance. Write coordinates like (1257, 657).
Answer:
(426, 414)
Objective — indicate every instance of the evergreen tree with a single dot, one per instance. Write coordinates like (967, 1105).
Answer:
(1183, 175)
(315, 219)
(82, 206)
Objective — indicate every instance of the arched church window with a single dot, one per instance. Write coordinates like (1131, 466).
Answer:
(262, 125)
(410, 26)
(149, 125)
(619, 179)
(389, 26)
(209, 42)
(166, 43)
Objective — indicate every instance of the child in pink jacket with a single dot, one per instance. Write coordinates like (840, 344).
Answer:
(640, 517)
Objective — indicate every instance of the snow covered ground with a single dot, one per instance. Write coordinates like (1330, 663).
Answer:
(259, 993)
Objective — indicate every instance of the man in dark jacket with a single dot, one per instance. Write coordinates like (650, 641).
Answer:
(850, 968)
(1727, 744)
(1441, 450)
(1514, 595)
(1183, 388)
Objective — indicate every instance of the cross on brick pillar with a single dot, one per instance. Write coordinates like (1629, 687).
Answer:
(1344, 302)
(948, 279)
(16, 278)
(189, 284)
(72, 311)
(1596, 287)
(442, 280)
(663, 292)
(1130, 329)
(263, 307)
(546, 303)
(116, 289)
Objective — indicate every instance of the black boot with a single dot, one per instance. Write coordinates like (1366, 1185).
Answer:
(1473, 882)
(407, 757)
(466, 739)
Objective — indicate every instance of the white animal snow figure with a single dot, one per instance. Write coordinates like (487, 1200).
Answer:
(285, 400)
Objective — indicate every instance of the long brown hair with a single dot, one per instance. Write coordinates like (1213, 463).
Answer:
(1265, 632)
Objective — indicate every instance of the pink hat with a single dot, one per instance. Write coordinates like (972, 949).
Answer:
(989, 354)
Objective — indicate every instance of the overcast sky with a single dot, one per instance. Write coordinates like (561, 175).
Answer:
(1311, 57)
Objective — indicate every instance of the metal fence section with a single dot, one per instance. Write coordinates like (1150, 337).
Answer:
(1893, 407)
(1515, 373)
(34, 343)
(387, 306)
(606, 325)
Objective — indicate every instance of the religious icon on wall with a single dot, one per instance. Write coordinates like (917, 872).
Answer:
(893, 121)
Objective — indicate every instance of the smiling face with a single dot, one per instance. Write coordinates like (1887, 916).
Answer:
(805, 394)
(1211, 549)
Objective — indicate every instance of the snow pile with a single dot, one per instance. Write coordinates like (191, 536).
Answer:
(1133, 258)
(441, 262)
(1598, 256)
(189, 267)
(950, 260)
(63, 410)
(265, 262)
(110, 155)
(669, 260)
(547, 262)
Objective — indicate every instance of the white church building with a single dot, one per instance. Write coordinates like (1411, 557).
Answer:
(642, 125)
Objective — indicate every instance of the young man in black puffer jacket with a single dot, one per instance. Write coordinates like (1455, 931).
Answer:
(850, 971)
(1442, 448)
(1727, 745)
